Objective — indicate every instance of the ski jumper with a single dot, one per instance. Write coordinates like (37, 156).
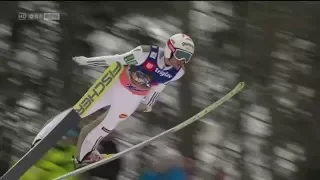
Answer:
(123, 98)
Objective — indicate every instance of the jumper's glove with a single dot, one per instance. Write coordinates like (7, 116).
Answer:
(81, 60)
(144, 108)
(148, 109)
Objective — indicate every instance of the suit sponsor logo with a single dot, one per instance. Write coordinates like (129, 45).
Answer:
(130, 59)
(98, 88)
(122, 116)
(163, 73)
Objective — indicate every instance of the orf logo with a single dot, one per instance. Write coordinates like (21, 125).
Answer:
(150, 66)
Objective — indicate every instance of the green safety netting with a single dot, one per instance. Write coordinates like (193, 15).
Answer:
(56, 162)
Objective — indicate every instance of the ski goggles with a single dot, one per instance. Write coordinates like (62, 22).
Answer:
(182, 55)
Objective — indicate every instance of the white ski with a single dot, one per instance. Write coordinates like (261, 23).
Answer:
(189, 121)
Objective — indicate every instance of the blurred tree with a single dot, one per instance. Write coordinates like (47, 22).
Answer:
(263, 73)
(69, 47)
(187, 108)
(8, 11)
(5, 151)
(13, 81)
(240, 31)
(311, 168)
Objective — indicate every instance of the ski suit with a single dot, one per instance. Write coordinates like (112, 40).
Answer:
(123, 98)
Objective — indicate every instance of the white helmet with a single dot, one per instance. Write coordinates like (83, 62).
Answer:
(180, 46)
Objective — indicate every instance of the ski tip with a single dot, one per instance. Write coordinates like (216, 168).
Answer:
(241, 84)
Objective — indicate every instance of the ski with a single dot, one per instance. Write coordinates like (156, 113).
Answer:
(69, 119)
(174, 129)
(35, 153)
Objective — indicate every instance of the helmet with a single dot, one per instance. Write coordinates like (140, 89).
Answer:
(180, 46)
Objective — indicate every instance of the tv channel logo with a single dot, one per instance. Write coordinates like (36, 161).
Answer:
(51, 16)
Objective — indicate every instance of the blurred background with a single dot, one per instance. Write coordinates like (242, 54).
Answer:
(268, 132)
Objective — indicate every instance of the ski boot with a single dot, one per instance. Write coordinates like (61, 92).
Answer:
(92, 157)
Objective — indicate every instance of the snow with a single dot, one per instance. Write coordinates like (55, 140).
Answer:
(203, 22)
(285, 167)
(306, 91)
(205, 154)
(107, 44)
(5, 30)
(284, 153)
(258, 173)
(156, 28)
(282, 55)
(284, 101)
(255, 127)
(302, 44)
(211, 131)
(234, 146)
